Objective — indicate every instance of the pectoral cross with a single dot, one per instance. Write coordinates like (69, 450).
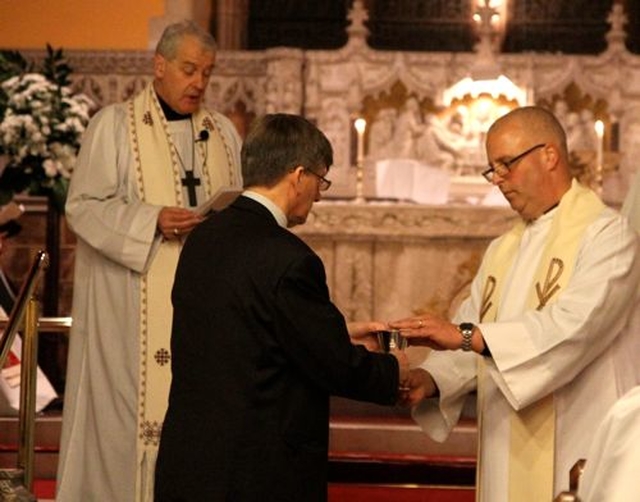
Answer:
(191, 182)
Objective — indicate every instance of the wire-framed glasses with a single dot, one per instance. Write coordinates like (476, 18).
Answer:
(324, 182)
(502, 167)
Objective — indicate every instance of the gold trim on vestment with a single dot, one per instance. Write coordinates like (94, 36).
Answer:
(532, 429)
(159, 184)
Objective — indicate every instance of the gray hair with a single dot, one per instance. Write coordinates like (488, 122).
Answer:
(174, 34)
(280, 142)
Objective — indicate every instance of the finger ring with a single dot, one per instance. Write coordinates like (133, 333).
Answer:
(175, 231)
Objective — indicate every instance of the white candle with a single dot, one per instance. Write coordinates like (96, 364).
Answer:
(599, 126)
(360, 125)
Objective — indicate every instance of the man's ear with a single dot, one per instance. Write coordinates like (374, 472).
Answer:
(159, 65)
(551, 156)
(298, 171)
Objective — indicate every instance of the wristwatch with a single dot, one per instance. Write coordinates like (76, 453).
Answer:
(466, 330)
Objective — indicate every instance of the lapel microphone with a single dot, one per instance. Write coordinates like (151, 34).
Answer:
(203, 135)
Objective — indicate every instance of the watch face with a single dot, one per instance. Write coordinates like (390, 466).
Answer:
(466, 330)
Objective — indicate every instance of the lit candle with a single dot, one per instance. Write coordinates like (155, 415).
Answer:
(360, 125)
(599, 126)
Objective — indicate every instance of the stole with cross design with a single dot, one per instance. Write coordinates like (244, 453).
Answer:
(158, 181)
(532, 429)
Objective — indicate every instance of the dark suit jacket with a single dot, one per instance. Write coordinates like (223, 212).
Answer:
(257, 349)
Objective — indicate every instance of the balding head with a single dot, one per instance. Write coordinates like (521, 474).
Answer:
(527, 149)
(535, 124)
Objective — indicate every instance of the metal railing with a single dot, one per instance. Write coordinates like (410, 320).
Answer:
(25, 313)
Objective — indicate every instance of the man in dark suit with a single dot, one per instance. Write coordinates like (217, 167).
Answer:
(257, 345)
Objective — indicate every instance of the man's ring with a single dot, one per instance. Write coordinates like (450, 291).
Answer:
(175, 231)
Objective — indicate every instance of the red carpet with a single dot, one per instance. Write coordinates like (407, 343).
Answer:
(44, 489)
(389, 493)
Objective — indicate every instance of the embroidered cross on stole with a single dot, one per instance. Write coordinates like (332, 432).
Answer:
(532, 429)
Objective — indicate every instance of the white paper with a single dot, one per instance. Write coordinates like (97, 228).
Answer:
(409, 179)
(10, 385)
(219, 200)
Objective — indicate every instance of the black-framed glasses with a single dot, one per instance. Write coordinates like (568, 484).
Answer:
(324, 182)
(502, 167)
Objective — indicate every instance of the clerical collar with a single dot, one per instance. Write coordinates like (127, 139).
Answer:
(169, 113)
(543, 216)
(551, 208)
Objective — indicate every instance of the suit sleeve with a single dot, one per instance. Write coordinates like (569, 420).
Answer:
(314, 335)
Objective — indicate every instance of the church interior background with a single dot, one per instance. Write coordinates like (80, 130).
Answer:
(403, 229)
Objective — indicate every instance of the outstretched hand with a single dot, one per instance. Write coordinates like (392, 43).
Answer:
(417, 386)
(430, 331)
(364, 333)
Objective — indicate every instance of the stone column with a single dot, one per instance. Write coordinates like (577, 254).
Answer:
(231, 24)
(179, 10)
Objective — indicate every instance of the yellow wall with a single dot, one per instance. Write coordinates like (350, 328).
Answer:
(77, 24)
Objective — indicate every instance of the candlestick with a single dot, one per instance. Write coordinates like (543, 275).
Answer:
(599, 127)
(360, 125)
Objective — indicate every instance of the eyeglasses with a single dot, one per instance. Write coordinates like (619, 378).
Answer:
(324, 182)
(502, 167)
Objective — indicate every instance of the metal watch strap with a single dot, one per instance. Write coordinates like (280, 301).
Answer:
(466, 330)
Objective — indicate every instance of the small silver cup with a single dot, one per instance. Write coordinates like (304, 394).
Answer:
(391, 340)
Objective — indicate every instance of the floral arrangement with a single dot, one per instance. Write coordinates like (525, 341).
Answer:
(41, 123)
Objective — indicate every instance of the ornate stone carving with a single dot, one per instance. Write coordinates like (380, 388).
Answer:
(380, 257)
(333, 87)
(284, 82)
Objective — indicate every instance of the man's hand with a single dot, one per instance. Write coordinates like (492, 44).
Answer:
(419, 385)
(364, 333)
(176, 222)
(430, 331)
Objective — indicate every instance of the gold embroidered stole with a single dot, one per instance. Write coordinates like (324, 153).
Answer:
(158, 180)
(532, 430)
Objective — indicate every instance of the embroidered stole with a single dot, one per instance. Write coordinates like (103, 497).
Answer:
(532, 430)
(158, 180)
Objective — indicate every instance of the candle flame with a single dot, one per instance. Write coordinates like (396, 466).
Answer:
(360, 125)
(599, 127)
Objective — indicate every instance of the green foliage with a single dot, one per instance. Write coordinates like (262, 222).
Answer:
(56, 68)
(12, 63)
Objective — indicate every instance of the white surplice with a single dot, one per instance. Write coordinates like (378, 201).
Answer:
(117, 239)
(580, 348)
(631, 205)
(611, 471)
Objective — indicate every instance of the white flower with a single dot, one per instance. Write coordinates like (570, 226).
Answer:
(42, 126)
(65, 156)
(50, 168)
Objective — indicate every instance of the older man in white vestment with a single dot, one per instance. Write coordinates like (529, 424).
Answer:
(144, 167)
(544, 337)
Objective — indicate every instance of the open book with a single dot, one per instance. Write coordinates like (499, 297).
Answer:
(219, 200)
